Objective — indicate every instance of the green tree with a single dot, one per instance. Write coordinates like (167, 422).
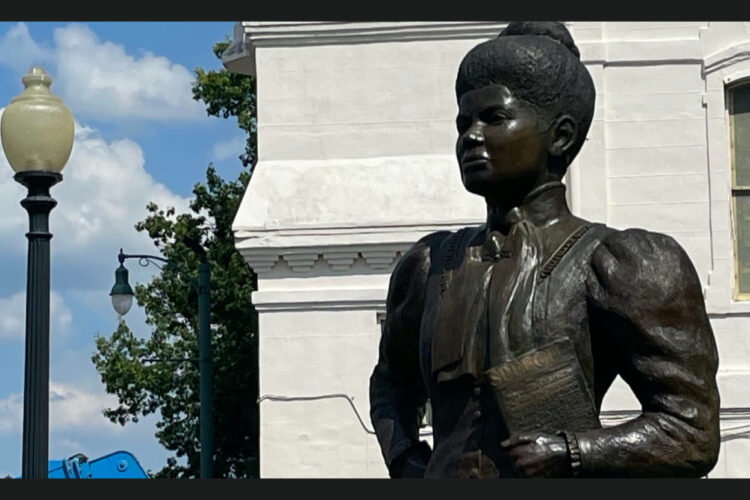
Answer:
(170, 386)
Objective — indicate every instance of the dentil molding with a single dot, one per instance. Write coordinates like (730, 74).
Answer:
(338, 259)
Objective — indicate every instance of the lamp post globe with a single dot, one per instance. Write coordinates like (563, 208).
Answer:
(37, 132)
(122, 293)
(37, 127)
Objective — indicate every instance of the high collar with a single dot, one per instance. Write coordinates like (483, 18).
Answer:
(541, 205)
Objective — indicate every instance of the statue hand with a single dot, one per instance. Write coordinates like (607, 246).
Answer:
(539, 455)
(412, 463)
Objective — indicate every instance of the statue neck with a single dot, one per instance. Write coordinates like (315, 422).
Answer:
(539, 206)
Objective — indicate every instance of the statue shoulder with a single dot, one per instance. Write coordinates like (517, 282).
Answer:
(419, 253)
(637, 261)
(434, 239)
(414, 264)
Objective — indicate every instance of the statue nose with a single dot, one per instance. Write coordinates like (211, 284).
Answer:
(473, 137)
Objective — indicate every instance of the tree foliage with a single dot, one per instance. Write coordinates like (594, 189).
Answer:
(230, 94)
(159, 373)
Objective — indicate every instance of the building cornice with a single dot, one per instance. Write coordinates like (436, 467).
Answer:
(320, 300)
(260, 33)
(331, 251)
(250, 35)
(334, 259)
(727, 57)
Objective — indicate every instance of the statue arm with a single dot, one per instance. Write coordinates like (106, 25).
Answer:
(397, 393)
(647, 308)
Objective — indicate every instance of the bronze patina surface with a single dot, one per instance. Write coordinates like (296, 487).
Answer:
(515, 330)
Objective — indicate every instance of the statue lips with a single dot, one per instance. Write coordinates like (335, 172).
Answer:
(475, 161)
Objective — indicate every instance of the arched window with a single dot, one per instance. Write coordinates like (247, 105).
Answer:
(739, 115)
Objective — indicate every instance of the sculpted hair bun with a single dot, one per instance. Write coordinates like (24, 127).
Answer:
(553, 30)
(539, 63)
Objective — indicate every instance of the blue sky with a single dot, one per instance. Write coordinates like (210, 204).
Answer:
(140, 137)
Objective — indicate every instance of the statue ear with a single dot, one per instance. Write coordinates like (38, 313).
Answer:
(564, 135)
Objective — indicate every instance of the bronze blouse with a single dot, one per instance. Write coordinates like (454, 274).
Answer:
(629, 301)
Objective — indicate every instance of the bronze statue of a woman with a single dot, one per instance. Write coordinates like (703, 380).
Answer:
(514, 330)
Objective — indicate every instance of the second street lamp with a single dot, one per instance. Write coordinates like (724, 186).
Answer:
(122, 299)
(122, 294)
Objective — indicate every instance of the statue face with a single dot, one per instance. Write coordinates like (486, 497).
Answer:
(502, 149)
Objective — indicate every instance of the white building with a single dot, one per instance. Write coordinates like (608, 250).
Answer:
(356, 136)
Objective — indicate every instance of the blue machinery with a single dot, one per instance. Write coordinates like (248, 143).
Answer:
(117, 465)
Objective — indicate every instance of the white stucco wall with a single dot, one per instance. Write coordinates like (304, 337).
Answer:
(356, 137)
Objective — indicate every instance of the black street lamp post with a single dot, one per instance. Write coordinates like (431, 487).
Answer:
(37, 134)
(122, 299)
(38, 204)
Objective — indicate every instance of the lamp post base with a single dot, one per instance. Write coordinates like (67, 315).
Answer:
(38, 203)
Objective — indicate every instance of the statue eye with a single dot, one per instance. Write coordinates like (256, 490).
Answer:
(496, 117)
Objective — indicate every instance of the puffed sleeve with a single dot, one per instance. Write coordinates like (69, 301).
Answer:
(397, 392)
(646, 306)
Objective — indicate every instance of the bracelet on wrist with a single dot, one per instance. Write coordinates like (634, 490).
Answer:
(574, 452)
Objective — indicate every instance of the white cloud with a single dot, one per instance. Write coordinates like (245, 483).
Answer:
(13, 219)
(19, 51)
(70, 408)
(101, 79)
(61, 447)
(104, 193)
(231, 148)
(11, 413)
(13, 316)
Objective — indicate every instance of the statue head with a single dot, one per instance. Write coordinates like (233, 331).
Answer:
(525, 105)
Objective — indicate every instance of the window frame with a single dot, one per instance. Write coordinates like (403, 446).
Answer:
(735, 190)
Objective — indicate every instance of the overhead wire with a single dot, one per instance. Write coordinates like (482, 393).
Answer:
(612, 417)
